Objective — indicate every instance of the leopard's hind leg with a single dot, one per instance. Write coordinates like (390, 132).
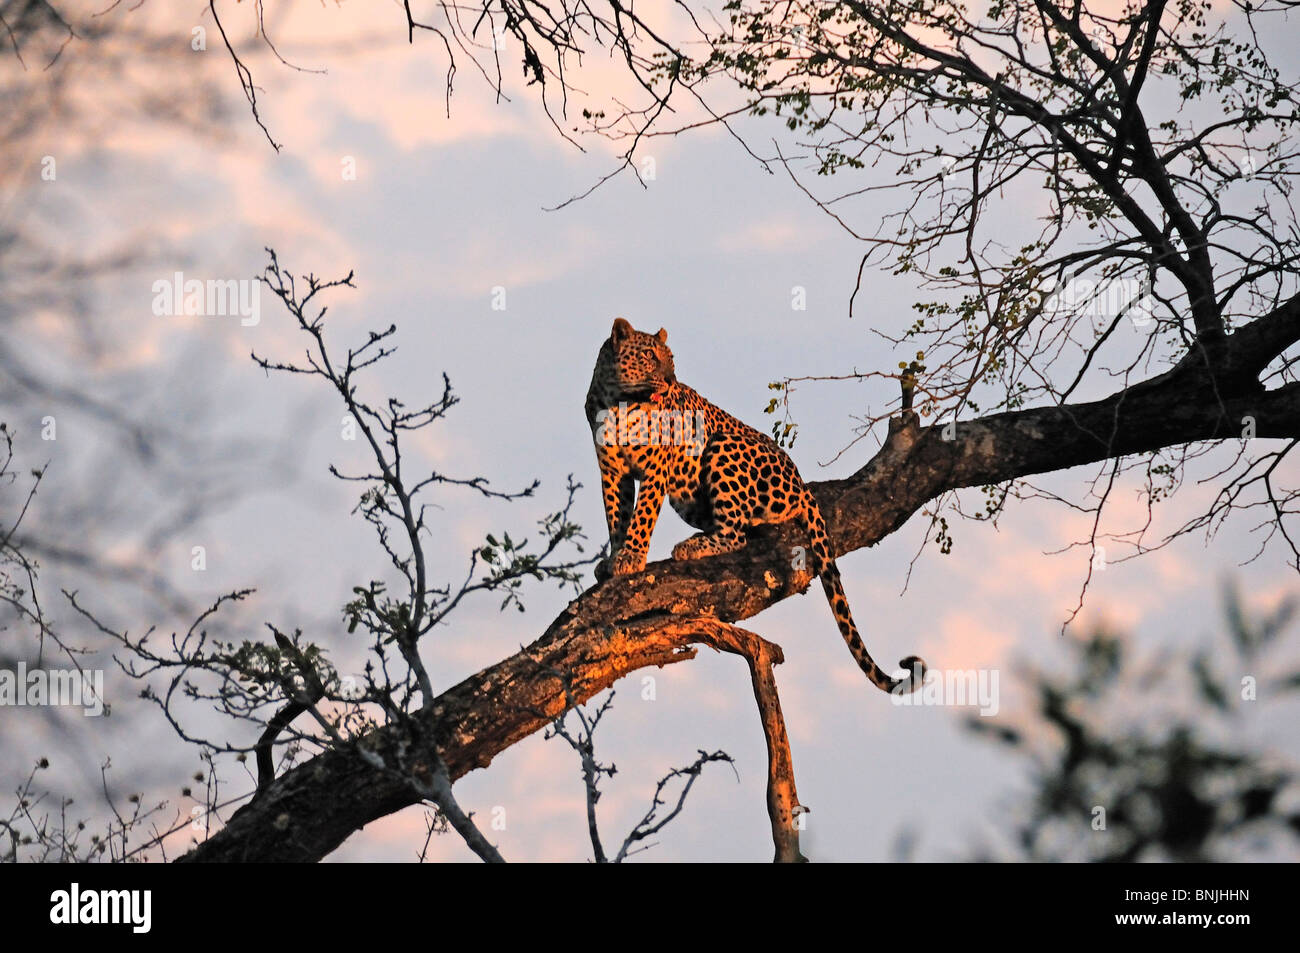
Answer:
(729, 512)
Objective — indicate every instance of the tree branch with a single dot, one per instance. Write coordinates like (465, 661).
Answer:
(634, 622)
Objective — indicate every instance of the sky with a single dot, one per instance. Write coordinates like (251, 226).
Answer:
(441, 212)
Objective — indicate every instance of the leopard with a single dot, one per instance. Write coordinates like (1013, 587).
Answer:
(655, 437)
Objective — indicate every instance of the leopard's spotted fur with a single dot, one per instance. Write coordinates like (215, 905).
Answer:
(720, 475)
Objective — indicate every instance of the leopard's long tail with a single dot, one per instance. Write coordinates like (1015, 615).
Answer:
(823, 565)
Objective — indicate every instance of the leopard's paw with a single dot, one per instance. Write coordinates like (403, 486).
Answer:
(690, 548)
(627, 562)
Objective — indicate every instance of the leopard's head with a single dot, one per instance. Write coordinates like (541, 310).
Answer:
(641, 366)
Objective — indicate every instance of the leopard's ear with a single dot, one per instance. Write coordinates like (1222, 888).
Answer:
(622, 329)
(662, 336)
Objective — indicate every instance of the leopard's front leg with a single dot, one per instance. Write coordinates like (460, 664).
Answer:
(631, 555)
(618, 492)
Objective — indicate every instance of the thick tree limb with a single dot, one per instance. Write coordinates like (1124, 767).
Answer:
(782, 799)
(638, 621)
